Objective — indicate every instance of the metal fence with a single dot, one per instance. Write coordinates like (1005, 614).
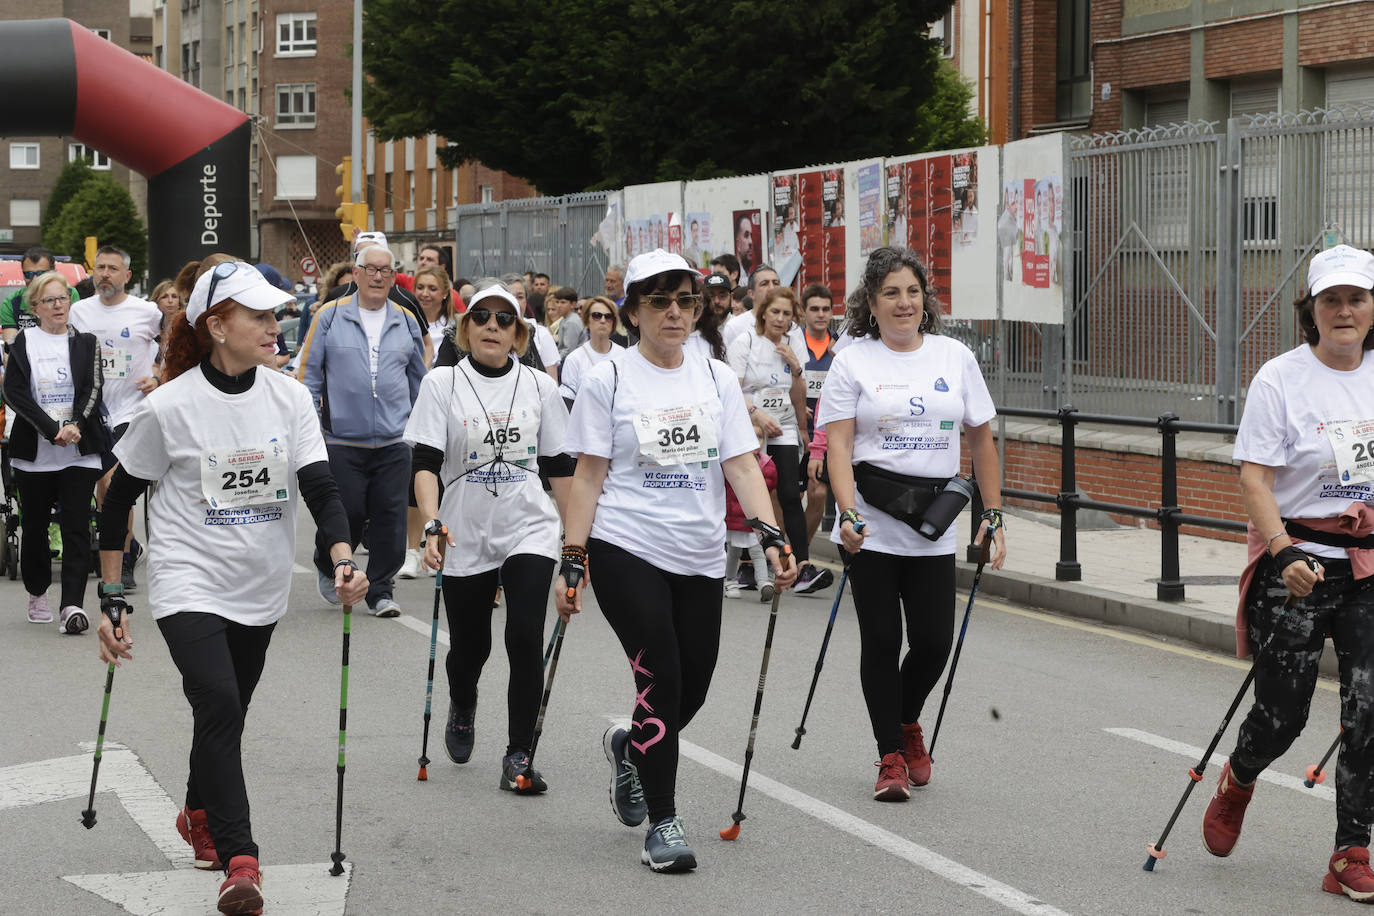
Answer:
(551, 235)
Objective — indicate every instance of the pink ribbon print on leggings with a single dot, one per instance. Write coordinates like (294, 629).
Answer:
(642, 700)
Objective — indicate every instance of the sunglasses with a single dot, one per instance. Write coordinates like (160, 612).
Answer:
(600, 316)
(688, 303)
(480, 317)
(222, 272)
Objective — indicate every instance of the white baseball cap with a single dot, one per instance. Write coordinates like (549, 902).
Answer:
(375, 237)
(1340, 266)
(495, 292)
(237, 280)
(653, 263)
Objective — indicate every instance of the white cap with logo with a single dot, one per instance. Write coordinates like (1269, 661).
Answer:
(653, 263)
(237, 280)
(1340, 266)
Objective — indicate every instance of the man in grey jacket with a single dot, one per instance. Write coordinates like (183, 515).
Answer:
(363, 362)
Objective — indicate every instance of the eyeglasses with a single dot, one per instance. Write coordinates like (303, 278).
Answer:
(221, 272)
(372, 271)
(688, 302)
(600, 316)
(480, 317)
(50, 301)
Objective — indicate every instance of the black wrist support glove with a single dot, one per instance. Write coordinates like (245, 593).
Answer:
(113, 605)
(573, 569)
(1290, 555)
(769, 536)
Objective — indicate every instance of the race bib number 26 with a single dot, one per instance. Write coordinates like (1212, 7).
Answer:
(1353, 444)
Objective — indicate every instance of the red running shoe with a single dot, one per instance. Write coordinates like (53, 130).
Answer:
(917, 757)
(241, 892)
(892, 779)
(1225, 814)
(194, 830)
(1349, 874)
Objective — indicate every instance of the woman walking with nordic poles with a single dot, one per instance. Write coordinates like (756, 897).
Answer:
(486, 427)
(892, 406)
(52, 383)
(230, 447)
(657, 433)
(1304, 445)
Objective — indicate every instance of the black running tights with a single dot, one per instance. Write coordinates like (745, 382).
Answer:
(887, 588)
(467, 601)
(669, 626)
(220, 662)
(39, 492)
(787, 459)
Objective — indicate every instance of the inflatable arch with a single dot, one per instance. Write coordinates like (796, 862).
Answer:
(64, 81)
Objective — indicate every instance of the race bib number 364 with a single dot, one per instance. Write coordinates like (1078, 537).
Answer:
(677, 435)
(230, 478)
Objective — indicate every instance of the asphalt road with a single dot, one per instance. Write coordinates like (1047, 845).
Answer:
(1040, 809)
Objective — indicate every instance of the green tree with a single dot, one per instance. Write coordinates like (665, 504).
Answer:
(102, 208)
(71, 179)
(583, 94)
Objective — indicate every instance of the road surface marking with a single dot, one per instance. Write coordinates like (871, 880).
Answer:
(1193, 753)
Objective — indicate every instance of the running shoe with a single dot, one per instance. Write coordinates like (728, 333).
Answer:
(812, 579)
(1225, 814)
(326, 586)
(627, 794)
(1349, 874)
(666, 849)
(39, 612)
(766, 592)
(460, 733)
(410, 569)
(195, 831)
(731, 588)
(241, 892)
(127, 567)
(384, 607)
(72, 621)
(915, 754)
(892, 779)
(517, 764)
(746, 577)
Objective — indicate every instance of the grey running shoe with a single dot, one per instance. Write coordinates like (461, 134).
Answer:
(384, 607)
(515, 765)
(627, 795)
(326, 585)
(666, 849)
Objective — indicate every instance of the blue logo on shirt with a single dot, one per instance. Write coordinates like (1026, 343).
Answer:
(124, 333)
(940, 385)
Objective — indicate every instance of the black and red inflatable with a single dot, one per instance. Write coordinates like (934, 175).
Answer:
(62, 80)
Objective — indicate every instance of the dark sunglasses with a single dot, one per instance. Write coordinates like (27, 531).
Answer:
(222, 272)
(480, 317)
(600, 316)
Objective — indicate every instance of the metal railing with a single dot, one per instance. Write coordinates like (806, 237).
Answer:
(1168, 513)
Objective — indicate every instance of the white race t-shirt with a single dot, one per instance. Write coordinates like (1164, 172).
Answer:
(907, 410)
(767, 379)
(127, 334)
(239, 451)
(51, 384)
(493, 511)
(579, 363)
(695, 344)
(665, 431)
(372, 321)
(736, 325)
(436, 332)
(1299, 413)
(544, 343)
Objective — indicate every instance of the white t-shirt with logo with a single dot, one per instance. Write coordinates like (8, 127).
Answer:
(767, 379)
(665, 431)
(52, 386)
(1300, 415)
(579, 363)
(372, 321)
(241, 452)
(544, 343)
(492, 510)
(436, 332)
(127, 335)
(908, 409)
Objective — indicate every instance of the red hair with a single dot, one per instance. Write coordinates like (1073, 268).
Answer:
(186, 346)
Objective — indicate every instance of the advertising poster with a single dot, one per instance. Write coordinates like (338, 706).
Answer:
(870, 204)
(649, 208)
(748, 238)
(965, 208)
(821, 229)
(696, 244)
(786, 222)
(716, 206)
(1029, 223)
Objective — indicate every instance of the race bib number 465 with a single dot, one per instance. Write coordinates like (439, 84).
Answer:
(230, 478)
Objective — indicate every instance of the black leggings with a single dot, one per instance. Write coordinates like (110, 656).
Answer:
(1287, 674)
(786, 458)
(669, 627)
(220, 662)
(39, 491)
(467, 601)
(886, 588)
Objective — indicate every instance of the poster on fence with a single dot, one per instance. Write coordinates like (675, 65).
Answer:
(728, 214)
(869, 188)
(610, 232)
(1030, 223)
(650, 211)
(808, 227)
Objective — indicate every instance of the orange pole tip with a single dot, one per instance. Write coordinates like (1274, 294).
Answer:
(1156, 853)
(730, 833)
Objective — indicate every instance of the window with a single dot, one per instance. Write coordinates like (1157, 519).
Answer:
(23, 155)
(433, 190)
(192, 71)
(243, 100)
(96, 158)
(1074, 81)
(295, 104)
(295, 34)
(102, 33)
(229, 43)
(453, 188)
(943, 29)
(410, 192)
(23, 212)
(488, 194)
(296, 177)
(1260, 168)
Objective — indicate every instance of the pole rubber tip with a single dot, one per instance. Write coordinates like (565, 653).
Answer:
(796, 743)
(1314, 776)
(1155, 855)
(88, 818)
(730, 833)
(423, 775)
(522, 781)
(338, 868)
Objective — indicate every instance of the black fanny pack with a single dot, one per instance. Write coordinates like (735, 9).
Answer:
(910, 499)
(1301, 532)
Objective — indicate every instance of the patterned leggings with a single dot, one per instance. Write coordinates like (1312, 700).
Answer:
(1342, 607)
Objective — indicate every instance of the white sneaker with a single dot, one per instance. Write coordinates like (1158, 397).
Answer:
(410, 569)
(731, 588)
(39, 612)
(73, 621)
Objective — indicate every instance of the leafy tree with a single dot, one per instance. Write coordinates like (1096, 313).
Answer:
(71, 179)
(102, 208)
(582, 94)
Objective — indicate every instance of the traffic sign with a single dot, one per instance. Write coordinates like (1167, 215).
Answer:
(308, 267)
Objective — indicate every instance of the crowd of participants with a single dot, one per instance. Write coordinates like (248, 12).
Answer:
(675, 434)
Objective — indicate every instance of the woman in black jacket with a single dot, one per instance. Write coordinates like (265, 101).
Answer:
(52, 382)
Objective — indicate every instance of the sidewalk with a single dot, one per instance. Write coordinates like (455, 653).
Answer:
(1120, 568)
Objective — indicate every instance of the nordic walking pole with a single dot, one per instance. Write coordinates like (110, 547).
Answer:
(825, 644)
(1317, 774)
(959, 646)
(731, 832)
(88, 816)
(548, 650)
(337, 855)
(1156, 848)
(523, 780)
(429, 685)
